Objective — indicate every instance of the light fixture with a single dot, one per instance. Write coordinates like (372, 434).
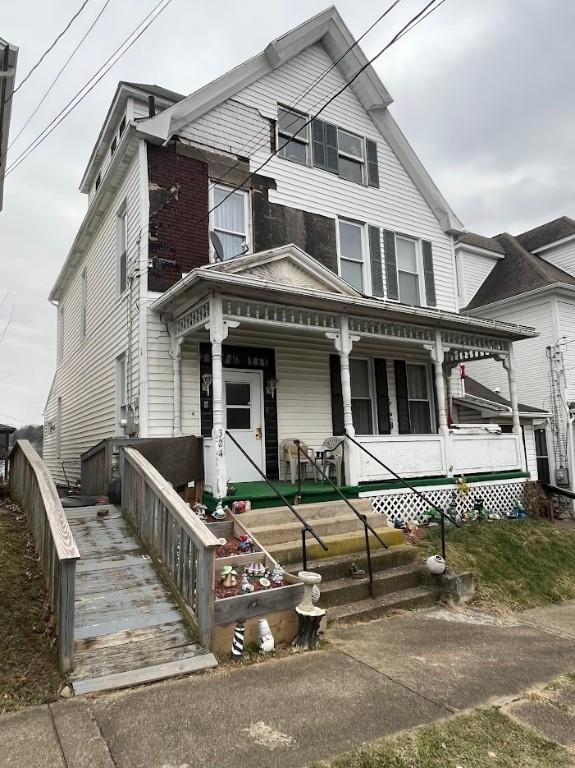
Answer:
(207, 379)
(271, 387)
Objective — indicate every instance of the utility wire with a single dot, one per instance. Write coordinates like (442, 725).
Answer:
(308, 89)
(79, 96)
(47, 51)
(60, 72)
(402, 32)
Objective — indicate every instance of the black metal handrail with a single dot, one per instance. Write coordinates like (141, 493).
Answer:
(442, 513)
(360, 515)
(306, 527)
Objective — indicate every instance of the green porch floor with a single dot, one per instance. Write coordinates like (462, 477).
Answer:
(262, 496)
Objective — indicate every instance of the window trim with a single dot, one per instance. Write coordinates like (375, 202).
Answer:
(366, 272)
(300, 138)
(247, 216)
(430, 392)
(420, 272)
(121, 216)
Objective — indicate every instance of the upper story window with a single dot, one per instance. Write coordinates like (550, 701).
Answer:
(351, 254)
(331, 148)
(409, 272)
(293, 135)
(230, 219)
(83, 302)
(122, 250)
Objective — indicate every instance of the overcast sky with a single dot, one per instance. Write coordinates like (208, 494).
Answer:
(483, 90)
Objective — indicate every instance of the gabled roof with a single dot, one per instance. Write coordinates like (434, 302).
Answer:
(474, 389)
(547, 233)
(479, 241)
(155, 90)
(519, 272)
(329, 29)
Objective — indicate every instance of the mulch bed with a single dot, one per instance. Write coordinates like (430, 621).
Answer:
(221, 592)
(232, 547)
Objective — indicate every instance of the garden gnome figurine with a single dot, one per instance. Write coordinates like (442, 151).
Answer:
(238, 641)
(266, 639)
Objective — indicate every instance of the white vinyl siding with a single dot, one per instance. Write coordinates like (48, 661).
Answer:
(83, 302)
(562, 256)
(397, 205)
(566, 317)
(472, 270)
(86, 378)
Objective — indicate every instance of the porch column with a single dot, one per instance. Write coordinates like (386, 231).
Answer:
(175, 352)
(438, 357)
(343, 342)
(218, 329)
(509, 365)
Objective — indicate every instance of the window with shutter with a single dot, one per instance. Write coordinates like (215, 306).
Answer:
(372, 166)
(351, 258)
(390, 265)
(324, 141)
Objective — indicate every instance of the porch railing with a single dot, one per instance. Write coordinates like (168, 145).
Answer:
(442, 513)
(367, 528)
(306, 527)
(183, 547)
(32, 487)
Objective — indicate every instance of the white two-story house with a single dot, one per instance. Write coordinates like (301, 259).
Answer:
(325, 304)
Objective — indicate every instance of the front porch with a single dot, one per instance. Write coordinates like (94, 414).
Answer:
(282, 348)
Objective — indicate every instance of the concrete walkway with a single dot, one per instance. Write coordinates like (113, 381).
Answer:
(376, 679)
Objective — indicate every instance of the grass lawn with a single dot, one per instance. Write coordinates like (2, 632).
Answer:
(28, 662)
(516, 564)
(482, 739)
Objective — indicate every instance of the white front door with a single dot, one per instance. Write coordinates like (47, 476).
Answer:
(243, 418)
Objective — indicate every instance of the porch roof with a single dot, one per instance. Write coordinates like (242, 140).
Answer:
(289, 276)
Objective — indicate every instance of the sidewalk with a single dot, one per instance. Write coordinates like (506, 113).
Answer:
(376, 679)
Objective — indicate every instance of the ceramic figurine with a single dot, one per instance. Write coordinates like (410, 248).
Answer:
(251, 569)
(265, 583)
(463, 486)
(260, 570)
(238, 641)
(246, 585)
(246, 544)
(218, 513)
(399, 522)
(266, 639)
(200, 510)
(436, 565)
(224, 572)
(230, 579)
(277, 576)
(519, 509)
(355, 572)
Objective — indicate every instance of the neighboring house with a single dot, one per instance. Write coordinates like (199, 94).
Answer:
(334, 308)
(8, 61)
(530, 279)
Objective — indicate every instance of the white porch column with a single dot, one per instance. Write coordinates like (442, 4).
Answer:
(509, 365)
(438, 357)
(176, 355)
(343, 342)
(218, 329)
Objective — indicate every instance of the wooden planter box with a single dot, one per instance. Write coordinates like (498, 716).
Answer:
(250, 605)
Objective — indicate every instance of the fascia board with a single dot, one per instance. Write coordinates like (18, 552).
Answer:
(406, 155)
(523, 298)
(480, 251)
(554, 244)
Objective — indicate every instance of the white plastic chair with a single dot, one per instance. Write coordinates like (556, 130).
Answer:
(289, 454)
(333, 456)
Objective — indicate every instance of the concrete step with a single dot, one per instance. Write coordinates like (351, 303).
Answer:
(339, 544)
(311, 512)
(338, 567)
(350, 590)
(373, 608)
(290, 530)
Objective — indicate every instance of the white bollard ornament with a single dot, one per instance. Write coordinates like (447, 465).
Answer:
(266, 639)
(436, 565)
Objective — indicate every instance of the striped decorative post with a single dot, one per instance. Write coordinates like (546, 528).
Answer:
(238, 641)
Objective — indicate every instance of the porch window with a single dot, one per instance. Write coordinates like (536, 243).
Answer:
(408, 271)
(351, 266)
(418, 397)
(293, 134)
(230, 220)
(361, 396)
(351, 156)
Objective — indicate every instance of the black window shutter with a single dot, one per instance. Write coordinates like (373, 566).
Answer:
(372, 168)
(317, 134)
(428, 273)
(375, 260)
(331, 151)
(403, 422)
(390, 265)
(336, 395)
(382, 396)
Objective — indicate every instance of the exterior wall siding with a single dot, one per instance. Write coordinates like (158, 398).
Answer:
(473, 268)
(562, 256)
(566, 315)
(86, 377)
(396, 205)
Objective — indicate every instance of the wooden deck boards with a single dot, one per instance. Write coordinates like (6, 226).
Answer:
(127, 627)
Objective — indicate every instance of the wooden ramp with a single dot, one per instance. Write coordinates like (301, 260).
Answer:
(127, 628)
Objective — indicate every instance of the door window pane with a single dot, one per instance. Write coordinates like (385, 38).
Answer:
(237, 393)
(238, 418)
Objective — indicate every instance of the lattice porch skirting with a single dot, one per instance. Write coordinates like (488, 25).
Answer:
(498, 495)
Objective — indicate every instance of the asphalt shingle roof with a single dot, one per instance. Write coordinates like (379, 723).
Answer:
(472, 238)
(476, 389)
(547, 233)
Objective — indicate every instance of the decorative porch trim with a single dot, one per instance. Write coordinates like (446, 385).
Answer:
(365, 326)
(280, 314)
(474, 341)
(195, 317)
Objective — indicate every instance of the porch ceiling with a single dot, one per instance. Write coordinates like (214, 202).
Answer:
(186, 304)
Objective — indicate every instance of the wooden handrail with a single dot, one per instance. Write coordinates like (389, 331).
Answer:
(182, 546)
(32, 487)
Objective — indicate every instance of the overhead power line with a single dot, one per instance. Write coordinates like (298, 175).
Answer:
(47, 51)
(59, 74)
(402, 32)
(89, 86)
